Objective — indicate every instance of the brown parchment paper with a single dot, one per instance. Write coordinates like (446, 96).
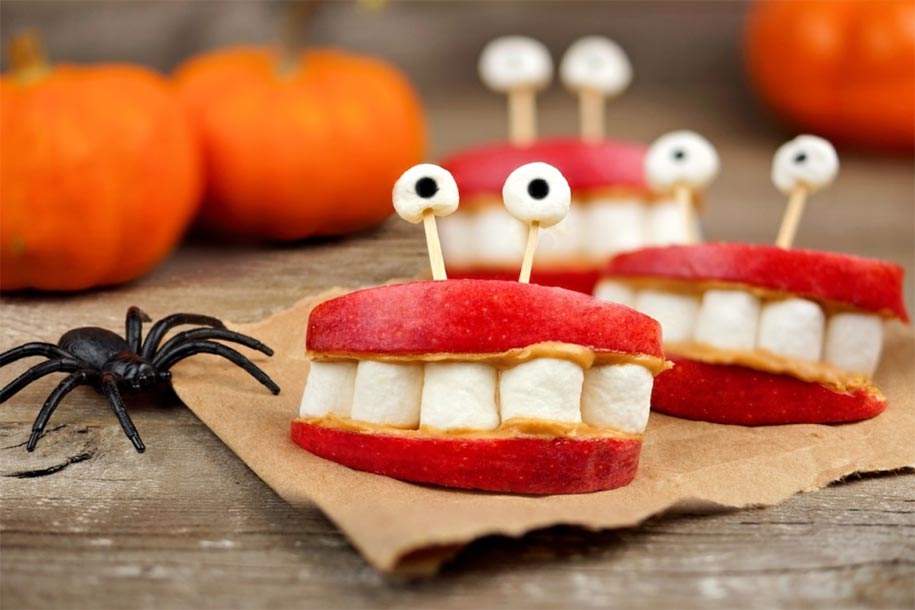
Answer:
(404, 527)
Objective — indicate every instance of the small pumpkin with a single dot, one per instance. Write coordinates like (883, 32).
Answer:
(301, 148)
(839, 69)
(99, 172)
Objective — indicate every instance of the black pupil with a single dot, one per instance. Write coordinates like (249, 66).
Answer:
(679, 154)
(538, 188)
(426, 187)
(800, 157)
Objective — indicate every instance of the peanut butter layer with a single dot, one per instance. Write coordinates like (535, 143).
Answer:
(513, 428)
(770, 362)
(580, 355)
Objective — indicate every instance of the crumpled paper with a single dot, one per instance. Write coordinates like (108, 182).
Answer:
(409, 528)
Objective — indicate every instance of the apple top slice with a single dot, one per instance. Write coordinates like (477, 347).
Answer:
(861, 283)
(586, 165)
(475, 317)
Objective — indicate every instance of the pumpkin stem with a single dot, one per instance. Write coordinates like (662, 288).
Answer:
(292, 29)
(26, 58)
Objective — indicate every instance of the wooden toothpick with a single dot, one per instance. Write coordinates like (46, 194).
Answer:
(522, 116)
(792, 217)
(591, 114)
(436, 260)
(683, 195)
(533, 235)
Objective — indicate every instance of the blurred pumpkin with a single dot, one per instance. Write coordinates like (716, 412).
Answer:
(305, 147)
(839, 69)
(99, 172)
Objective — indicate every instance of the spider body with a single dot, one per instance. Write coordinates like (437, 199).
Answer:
(112, 364)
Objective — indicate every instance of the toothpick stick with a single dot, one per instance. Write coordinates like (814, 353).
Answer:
(591, 114)
(792, 217)
(522, 116)
(436, 260)
(533, 235)
(684, 198)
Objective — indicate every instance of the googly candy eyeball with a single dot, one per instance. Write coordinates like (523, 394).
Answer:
(515, 62)
(422, 188)
(537, 192)
(597, 63)
(681, 158)
(806, 161)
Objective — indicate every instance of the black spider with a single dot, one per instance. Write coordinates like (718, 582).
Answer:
(103, 359)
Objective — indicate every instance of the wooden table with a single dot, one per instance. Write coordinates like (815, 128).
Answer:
(87, 522)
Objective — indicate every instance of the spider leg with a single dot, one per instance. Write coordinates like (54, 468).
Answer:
(160, 328)
(110, 387)
(49, 350)
(37, 372)
(208, 347)
(135, 319)
(210, 333)
(76, 379)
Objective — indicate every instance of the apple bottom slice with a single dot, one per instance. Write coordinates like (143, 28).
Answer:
(527, 465)
(577, 279)
(730, 394)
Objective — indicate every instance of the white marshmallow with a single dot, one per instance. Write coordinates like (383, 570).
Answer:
(388, 393)
(458, 239)
(537, 192)
(808, 161)
(728, 319)
(664, 224)
(793, 327)
(681, 158)
(562, 241)
(618, 396)
(515, 62)
(854, 341)
(329, 390)
(499, 237)
(460, 395)
(675, 312)
(613, 225)
(616, 292)
(542, 388)
(597, 63)
(425, 187)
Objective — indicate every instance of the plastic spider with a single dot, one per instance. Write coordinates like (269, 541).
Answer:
(109, 363)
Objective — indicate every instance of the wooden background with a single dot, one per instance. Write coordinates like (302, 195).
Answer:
(86, 522)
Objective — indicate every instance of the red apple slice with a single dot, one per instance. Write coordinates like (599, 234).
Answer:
(862, 283)
(729, 394)
(517, 465)
(579, 280)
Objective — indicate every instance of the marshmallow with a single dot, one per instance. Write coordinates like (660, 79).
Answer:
(681, 158)
(664, 224)
(675, 312)
(617, 396)
(458, 239)
(562, 241)
(329, 390)
(542, 388)
(388, 393)
(537, 192)
(854, 341)
(515, 62)
(425, 187)
(616, 292)
(806, 161)
(793, 327)
(499, 237)
(597, 63)
(613, 225)
(728, 319)
(459, 395)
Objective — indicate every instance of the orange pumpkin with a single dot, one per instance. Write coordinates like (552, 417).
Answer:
(99, 173)
(840, 69)
(312, 149)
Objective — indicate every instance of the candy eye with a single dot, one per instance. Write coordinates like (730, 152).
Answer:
(513, 62)
(595, 62)
(537, 192)
(681, 158)
(806, 161)
(425, 187)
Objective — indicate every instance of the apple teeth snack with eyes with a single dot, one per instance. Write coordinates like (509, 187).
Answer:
(765, 334)
(480, 384)
(613, 209)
